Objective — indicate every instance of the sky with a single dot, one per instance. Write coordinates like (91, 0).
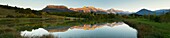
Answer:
(126, 5)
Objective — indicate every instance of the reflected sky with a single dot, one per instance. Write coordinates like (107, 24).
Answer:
(106, 30)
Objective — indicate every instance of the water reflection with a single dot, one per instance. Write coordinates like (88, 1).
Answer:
(35, 33)
(107, 30)
(92, 27)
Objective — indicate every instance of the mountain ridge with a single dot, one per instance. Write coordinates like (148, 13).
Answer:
(85, 9)
(149, 12)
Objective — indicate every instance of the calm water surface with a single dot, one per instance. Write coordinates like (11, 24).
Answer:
(106, 30)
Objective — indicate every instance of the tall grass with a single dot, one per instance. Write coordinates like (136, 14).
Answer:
(149, 29)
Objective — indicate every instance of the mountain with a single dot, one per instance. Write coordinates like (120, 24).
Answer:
(113, 11)
(145, 12)
(89, 9)
(162, 11)
(85, 9)
(149, 12)
(55, 8)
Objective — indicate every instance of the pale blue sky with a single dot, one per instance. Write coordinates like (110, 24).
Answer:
(126, 5)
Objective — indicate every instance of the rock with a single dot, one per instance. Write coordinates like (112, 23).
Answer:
(55, 8)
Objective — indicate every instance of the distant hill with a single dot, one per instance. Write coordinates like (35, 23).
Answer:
(162, 11)
(4, 12)
(149, 12)
(145, 12)
(9, 11)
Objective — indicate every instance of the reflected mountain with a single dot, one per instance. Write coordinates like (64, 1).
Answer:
(58, 29)
(105, 30)
(92, 27)
(85, 27)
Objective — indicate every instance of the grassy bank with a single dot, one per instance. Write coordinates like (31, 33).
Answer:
(149, 29)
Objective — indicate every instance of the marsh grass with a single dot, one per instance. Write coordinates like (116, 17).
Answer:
(149, 29)
(8, 32)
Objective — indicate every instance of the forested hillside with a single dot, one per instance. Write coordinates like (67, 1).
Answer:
(9, 11)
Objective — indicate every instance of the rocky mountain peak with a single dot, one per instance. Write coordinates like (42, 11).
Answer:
(84, 9)
(88, 7)
(57, 7)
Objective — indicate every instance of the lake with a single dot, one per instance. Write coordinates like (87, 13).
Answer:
(101, 30)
